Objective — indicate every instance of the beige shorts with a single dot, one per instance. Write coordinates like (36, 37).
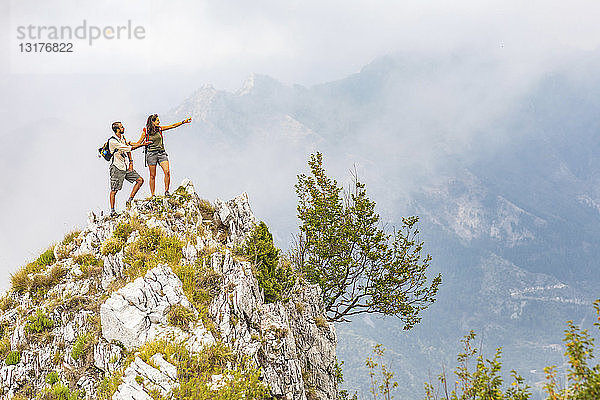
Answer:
(117, 177)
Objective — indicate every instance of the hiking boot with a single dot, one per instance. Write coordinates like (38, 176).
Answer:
(113, 213)
(128, 204)
(167, 194)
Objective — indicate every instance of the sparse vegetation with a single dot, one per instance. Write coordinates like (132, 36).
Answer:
(275, 276)
(200, 285)
(81, 346)
(70, 237)
(207, 210)
(112, 245)
(180, 316)
(89, 265)
(20, 280)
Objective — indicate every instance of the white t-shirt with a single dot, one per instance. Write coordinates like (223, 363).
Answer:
(120, 159)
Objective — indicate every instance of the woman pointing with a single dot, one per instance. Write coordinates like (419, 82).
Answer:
(155, 152)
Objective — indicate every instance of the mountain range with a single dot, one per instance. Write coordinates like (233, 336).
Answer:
(501, 169)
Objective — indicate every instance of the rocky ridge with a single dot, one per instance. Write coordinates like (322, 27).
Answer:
(97, 315)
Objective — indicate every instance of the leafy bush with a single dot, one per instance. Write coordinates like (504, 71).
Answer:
(13, 358)
(38, 323)
(275, 276)
(583, 380)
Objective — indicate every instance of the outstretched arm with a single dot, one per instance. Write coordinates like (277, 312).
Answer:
(138, 144)
(142, 138)
(176, 124)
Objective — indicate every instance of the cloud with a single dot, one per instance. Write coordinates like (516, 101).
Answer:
(191, 43)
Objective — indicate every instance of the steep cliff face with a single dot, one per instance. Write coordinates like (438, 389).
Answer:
(155, 303)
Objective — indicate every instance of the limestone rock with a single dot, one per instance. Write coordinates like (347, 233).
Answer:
(237, 217)
(289, 341)
(137, 312)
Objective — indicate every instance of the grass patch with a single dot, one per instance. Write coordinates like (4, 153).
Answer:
(52, 378)
(70, 237)
(207, 210)
(20, 281)
(38, 284)
(201, 285)
(152, 248)
(195, 371)
(60, 391)
(89, 265)
(4, 346)
(112, 245)
(181, 316)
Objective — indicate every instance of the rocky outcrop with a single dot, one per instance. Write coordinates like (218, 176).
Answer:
(97, 313)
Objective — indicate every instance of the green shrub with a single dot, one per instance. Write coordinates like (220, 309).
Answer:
(46, 258)
(13, 358)
(38, 323)
(80, 347)
(52, 378)
(276, 277)
(180, 316)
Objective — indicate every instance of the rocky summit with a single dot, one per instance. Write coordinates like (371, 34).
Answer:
(159, 303)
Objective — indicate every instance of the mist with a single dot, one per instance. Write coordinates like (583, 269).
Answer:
(462, 68)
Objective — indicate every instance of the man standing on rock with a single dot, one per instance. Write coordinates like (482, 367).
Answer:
(119, 169)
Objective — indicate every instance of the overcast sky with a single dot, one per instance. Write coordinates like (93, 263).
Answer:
(188, 43)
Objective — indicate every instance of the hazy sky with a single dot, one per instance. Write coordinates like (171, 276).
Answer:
(57, 107)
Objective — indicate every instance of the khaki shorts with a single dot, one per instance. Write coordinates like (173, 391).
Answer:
(156, 157)
(117, 176)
